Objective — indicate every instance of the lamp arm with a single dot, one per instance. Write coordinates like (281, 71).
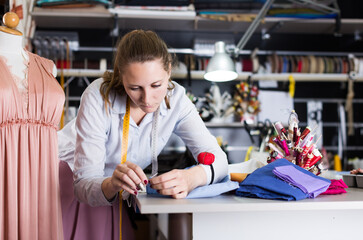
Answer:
(262, 13)
(251, 29)
(323, 8)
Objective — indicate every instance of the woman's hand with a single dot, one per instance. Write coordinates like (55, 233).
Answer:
(126, 176)
(178, 183)
(357, 171)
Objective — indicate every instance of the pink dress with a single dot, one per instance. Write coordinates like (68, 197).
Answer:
(29, 184)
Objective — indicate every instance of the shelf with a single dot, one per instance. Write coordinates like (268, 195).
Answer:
(198, 75)
(210, 52)
(95, 17)
(100, 18)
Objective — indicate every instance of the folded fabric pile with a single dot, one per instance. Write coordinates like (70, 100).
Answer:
(336, 187)
(211, 190)
(263, 183)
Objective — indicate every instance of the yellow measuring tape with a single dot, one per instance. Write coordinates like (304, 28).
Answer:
(125, 135)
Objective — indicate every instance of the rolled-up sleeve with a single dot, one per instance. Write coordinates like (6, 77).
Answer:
(90, 151)
(192, 130)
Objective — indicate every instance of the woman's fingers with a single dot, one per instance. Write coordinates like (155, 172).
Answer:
(174, 174)
(122, 180)
(128, 176)
(140, 175)
(180, 195)
(172, 183)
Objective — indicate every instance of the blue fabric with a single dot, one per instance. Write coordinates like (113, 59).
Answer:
(212, 190)
(262, 183)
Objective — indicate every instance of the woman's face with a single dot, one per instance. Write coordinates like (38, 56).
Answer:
(146, 84)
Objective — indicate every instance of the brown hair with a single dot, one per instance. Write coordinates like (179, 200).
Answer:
(135, 46)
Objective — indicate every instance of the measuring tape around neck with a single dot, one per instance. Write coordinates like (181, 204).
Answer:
(125, 132)
(154, 140)
(124, 144)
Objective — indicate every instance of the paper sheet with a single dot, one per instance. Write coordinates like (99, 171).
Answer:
(275, 105)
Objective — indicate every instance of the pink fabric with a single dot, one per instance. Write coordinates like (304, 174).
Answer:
(29, 182)
(336, 187)
(83, 222)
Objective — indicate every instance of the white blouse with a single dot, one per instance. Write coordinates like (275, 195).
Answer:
(97, 149)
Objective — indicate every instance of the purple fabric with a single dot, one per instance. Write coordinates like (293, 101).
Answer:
(83, 222)
(311, 185)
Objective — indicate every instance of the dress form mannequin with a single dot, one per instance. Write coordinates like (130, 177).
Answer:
(11, 48)
(31, 103)
(12, 52)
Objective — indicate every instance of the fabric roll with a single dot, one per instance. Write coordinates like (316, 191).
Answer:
(299, 64)
(360, 66)
(281, 64)
(320, 65)
(313, 65)
(292, 64)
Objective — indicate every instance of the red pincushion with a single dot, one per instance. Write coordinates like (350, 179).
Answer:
(206, 158)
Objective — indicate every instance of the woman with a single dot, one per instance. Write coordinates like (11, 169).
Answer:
(141, 75)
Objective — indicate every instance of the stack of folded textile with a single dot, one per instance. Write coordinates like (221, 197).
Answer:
(282, 180)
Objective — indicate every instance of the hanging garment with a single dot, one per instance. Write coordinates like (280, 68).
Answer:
(29, 186)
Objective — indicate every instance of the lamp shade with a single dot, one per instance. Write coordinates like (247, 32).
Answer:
(221, 67)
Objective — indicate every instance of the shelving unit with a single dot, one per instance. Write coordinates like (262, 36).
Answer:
(187, 27)
(198, 75)
(100, 17)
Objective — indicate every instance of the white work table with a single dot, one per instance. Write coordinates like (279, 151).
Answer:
(327, 217)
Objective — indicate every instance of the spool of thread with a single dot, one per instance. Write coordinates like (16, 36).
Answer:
(274, 148)
(308, 161)
(291, 131)
(337, 163)
(278, 142)
(281, 130)
(289, 144)
(305, 133)
(285, 147)
(297, 142)
(317, 156)
(294, 138)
